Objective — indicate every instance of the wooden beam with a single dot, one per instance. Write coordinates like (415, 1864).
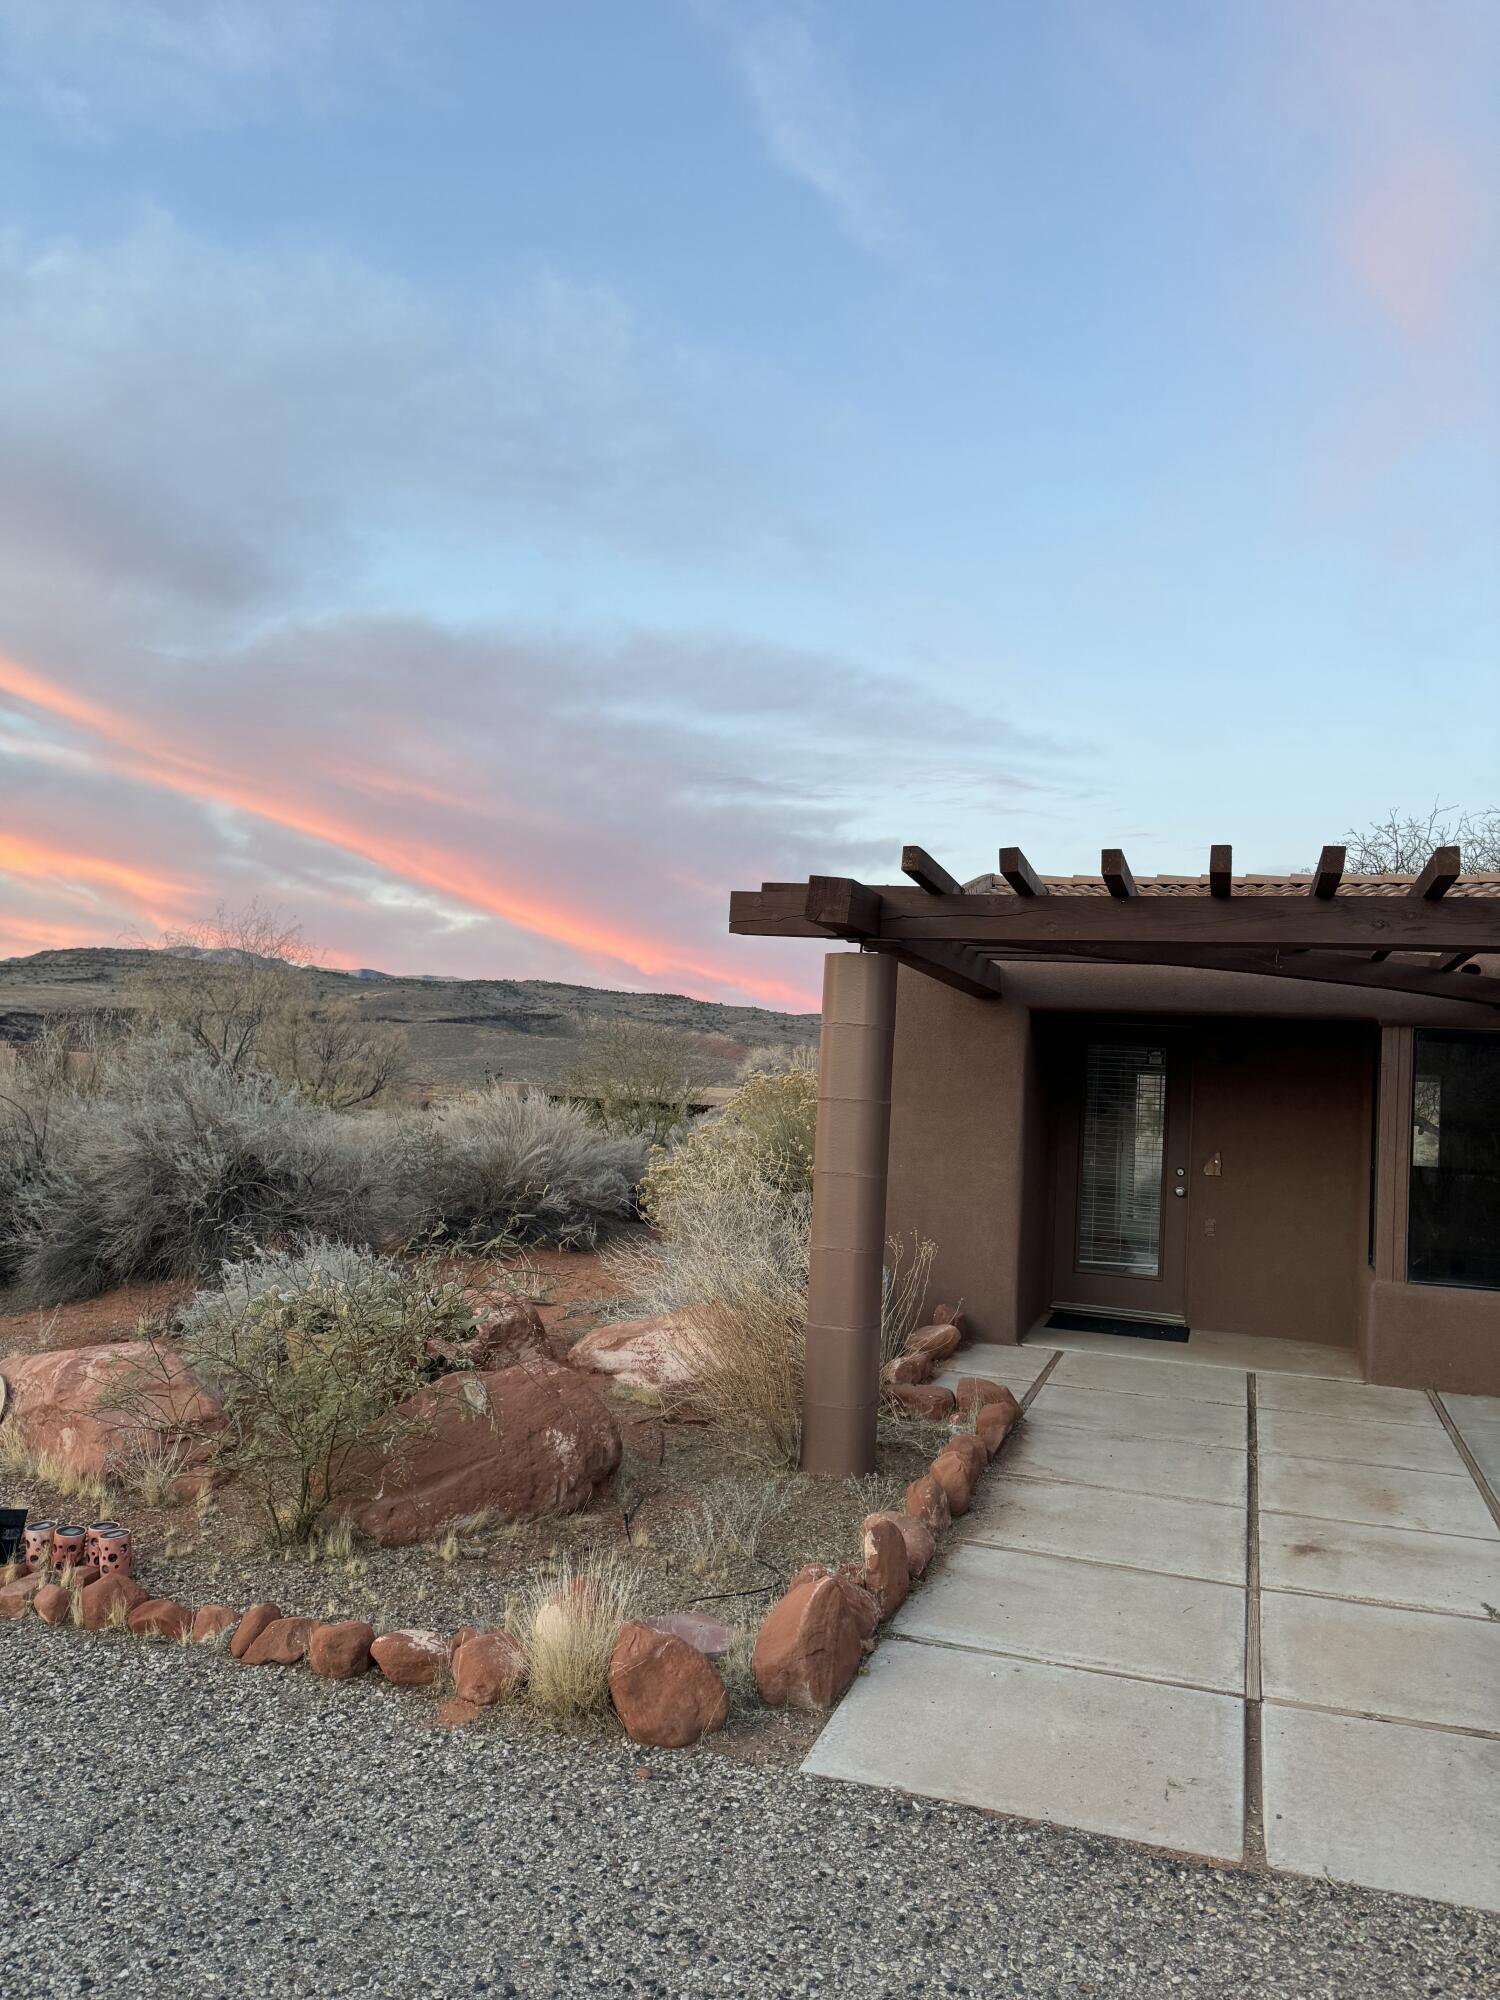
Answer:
(1457, 962)
(1327, 968)
(842, 907)
(1020, 874)
(1117, 876)
(1443, 869)
(955, 965)
(928, 874)
(1221, 871)
(1330, 872)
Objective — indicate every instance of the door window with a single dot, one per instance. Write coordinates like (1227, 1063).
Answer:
(1119, 1181)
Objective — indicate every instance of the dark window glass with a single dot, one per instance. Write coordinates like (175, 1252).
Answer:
(1453, 1234)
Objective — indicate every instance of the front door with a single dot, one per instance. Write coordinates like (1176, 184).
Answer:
(1121, 1243)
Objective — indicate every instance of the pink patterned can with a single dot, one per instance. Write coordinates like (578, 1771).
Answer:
(115, 1555)
(69, 1542)
(91, 1544)
(36, 1542)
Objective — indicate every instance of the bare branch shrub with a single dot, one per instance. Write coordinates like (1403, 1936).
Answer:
(635, 1078)
(1402, 843)
(903, 1299)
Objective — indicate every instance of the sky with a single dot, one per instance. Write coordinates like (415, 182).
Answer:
(487, 477)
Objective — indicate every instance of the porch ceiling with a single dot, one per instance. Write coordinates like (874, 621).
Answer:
(1430, 934)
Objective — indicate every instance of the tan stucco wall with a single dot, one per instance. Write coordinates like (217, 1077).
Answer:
(967, 1161)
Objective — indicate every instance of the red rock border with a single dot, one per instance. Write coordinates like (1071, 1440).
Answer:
(815, 1638)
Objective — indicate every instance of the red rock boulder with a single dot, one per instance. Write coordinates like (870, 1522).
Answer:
(411, 1658)
(923, 1399)
(488, 1668)
(927, 1501)
(652, 1354)
(251, 1625)
(160, 1618)
(109, 1601)
(948, 1316)
(809, 1648)
(937, 1342)
(995, 1421)
(340, 1651)
(918, 1537)
(210, 1620)
(16, 1598)
(54, 1605)
(972, 1392)
(970, 1452)
(525, 1441)
(887, 1574)
(60, 1402)
(664, 1690)
(282, 1643)
(907, 1369)
(951, 1473)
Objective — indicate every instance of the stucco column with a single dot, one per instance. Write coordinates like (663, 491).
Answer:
(841, 1393)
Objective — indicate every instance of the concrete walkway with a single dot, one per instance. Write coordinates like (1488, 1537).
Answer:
(1251, 1616)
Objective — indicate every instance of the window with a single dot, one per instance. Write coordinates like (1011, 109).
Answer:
(1453, 1229)
(1119, 1194)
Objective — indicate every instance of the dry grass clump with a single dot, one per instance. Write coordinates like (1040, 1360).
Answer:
(731, 1521)
(47, 1469)
(568, 1622)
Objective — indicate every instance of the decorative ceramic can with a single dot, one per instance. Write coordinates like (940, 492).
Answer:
(91, 1545)
(68, 1544)
(37, 1544)
(115, 1556)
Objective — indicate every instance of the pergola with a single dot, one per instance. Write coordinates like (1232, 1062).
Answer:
(1428, 934)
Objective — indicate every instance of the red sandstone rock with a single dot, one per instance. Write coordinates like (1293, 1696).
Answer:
(950, 1472)
(712, 1637)
(937, 1342)
(282, 1643)
(664, 1691)
(927, 1501)
(972, 1392)
(920, 1546)
(340, 1651)
(530, 1440)
(995, 1421)
(160, 1618)
(948, 1316)
(211, 1620)
(97, 1601)
(906, 1368)
(16, 1598)
(886, 1572)
(411, 1658)
(54, 1605)
(506, 1330)
(251, 1625)
(488, 1667)
(970, 1451)
(923, 1399)
(641, 1354)
(809, 1648)
(58, 1401)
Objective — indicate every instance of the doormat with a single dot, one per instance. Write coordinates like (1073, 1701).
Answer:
(1133, 1329)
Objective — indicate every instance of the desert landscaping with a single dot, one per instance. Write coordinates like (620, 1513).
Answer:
(497, 1400)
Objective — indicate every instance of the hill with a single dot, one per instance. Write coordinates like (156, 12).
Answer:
(460, 1032)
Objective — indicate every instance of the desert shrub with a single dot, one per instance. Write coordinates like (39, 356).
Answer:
(763, 1134)
(310, 1353)
(903, 1299)
(635, 1078)
(568, 1621)
(515, 1167)
(164, 1162)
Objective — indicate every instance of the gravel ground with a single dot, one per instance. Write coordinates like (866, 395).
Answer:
(175, 1825)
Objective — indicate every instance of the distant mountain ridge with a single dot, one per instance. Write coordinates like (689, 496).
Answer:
(460, 1032)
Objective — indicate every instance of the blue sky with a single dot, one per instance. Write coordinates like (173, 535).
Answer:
(491, 477)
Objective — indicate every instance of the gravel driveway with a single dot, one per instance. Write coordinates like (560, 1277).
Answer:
(177, 1826)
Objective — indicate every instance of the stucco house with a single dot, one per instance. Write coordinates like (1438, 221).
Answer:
(1179, 1107)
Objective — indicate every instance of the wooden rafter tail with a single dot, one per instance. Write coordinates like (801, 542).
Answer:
(1117, 876)
(1457, 962)
(1329, 873)
(1221, 871)
(842, 907)
(918, 865)
(1019, 873)
(1443, 869)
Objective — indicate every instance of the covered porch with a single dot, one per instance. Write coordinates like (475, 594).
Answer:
(1178, 1109)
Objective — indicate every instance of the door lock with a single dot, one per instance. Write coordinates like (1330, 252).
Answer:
(1180, 1192)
